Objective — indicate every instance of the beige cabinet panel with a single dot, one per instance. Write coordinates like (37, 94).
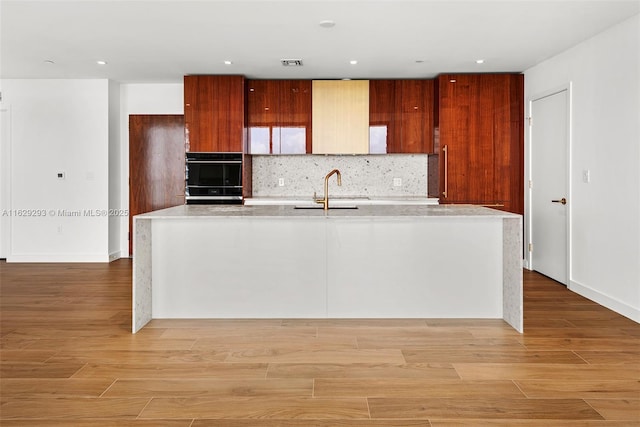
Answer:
(340, 116)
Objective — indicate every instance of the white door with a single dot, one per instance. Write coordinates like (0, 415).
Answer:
(549, 190)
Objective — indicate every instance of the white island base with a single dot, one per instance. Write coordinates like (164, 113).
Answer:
(373, 262)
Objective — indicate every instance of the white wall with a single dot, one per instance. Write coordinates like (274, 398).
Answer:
(58, 126)
(143, 98)
(605, 214)
(79, 127)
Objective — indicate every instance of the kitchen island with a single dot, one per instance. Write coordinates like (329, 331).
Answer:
(390, 261)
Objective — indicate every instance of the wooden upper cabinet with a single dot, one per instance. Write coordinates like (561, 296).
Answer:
(214, 113)
(384, 129)
(295, 116)
(279, 116)
(262, 106)
(401, 116)
(416, 115)
(481, 139)
(340, 116)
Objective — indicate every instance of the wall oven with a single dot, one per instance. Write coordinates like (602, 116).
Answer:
(213, 178)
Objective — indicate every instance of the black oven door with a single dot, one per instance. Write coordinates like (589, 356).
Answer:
(214, 178)
(214, 174)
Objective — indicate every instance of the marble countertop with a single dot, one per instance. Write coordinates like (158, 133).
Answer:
(288, 211)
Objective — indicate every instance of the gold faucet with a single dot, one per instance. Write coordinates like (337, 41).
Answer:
(325, 200)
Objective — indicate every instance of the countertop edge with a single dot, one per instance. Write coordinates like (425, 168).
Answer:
(288, 212)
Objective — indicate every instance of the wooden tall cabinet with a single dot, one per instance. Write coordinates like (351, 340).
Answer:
(279, 116)
(401, 116)
(214, 113)
(481, 140)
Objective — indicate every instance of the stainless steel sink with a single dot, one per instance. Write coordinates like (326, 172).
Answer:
(322, 207)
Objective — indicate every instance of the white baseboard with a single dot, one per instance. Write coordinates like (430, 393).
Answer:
(58, 258)
(115, 255)
(611, 303)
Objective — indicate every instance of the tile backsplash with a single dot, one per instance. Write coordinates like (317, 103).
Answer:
(362, 175)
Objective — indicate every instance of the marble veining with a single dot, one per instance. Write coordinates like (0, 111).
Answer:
(362, 175)
(141, 292)
(512, 284)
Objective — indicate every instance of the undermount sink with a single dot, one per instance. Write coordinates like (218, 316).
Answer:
(322, 207)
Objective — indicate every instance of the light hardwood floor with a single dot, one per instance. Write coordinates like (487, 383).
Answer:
(68, 358)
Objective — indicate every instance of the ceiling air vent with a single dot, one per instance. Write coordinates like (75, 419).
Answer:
(291, 62)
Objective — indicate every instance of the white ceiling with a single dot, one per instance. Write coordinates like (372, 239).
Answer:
(162, 40)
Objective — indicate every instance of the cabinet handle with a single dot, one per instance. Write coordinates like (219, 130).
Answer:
(446, 171)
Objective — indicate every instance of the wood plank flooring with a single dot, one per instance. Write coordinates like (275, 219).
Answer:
(68, 358)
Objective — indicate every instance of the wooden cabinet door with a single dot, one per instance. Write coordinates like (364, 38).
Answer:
(340, 116)
(416, 115)
(401, 116)
(262, 109)
(466, 139)
(294, 118)
(455, 114)
(279, 116)
(384, 126)
(214, 113)
(509, 142)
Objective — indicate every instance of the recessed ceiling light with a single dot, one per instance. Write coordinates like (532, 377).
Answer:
(479, 61)
(353, 62)
(101, 62)
(419, 61)
(327, 23)
(49, 61)
(227, 62)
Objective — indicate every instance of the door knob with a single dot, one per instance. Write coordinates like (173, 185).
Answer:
(563, 201)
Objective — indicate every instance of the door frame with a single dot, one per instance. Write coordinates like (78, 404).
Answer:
(528, 220)
(5, 182)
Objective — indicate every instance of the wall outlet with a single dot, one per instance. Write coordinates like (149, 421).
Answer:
(397, 182)
(59, 229)
(586, 176)
(60, 175)
(280, 182)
